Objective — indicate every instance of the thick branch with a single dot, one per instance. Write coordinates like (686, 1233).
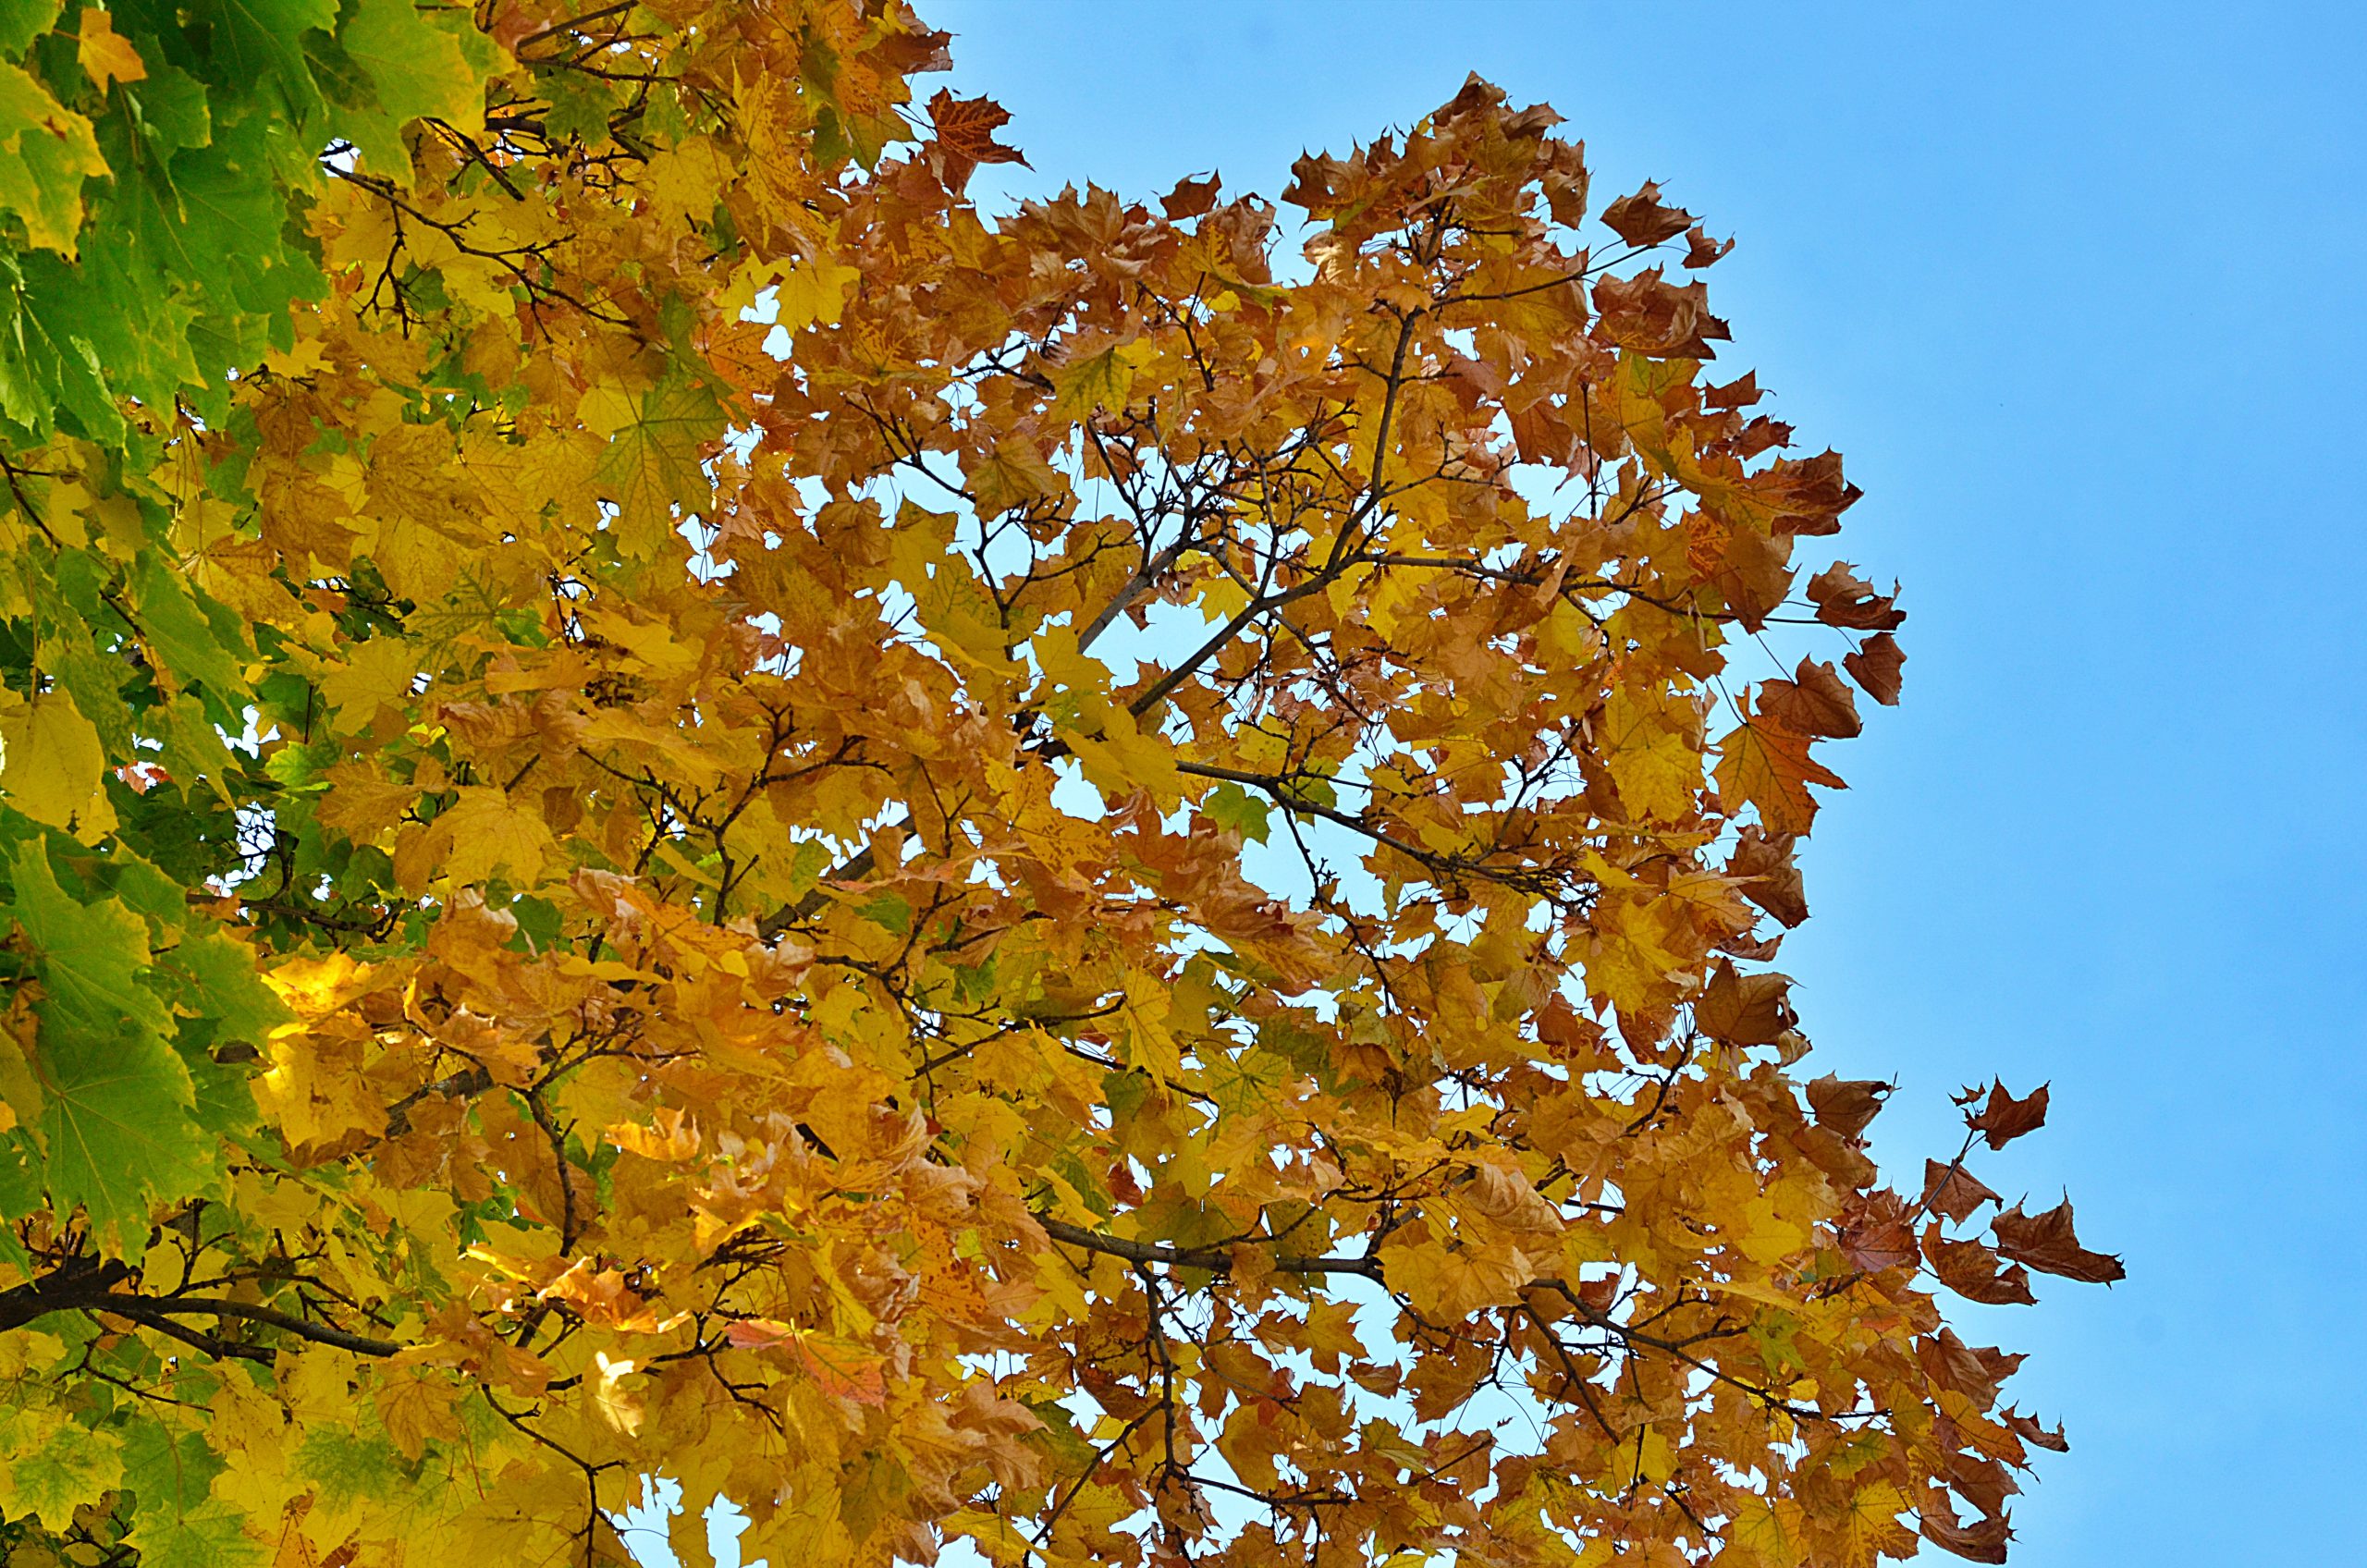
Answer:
(88, 1285)
(1216, 1259)
(854, 868)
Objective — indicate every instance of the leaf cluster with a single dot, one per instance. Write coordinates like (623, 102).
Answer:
(673, 804)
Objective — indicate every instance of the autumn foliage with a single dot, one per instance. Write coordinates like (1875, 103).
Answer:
(1078, 878)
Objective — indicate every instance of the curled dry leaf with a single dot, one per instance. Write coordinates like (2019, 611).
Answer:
(1845, 599)
(1982, 1540)
(1765, 874)
(2045, 1242)
(1739, 393)
(2001, 1118)
(1744, 1009)
(1191, 198)
(2028, 1428)
(1847, 1105)
(1876, 665)
(1700, 251)
(1975, 1272)
(1644, 219)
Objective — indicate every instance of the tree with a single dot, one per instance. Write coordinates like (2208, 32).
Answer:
(675, 805)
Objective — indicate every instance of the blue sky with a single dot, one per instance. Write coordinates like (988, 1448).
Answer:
(2079, 289)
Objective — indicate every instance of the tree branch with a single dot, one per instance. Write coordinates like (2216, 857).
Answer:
(1219, 1259)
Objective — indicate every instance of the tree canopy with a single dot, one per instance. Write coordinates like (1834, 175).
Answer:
(675, 805)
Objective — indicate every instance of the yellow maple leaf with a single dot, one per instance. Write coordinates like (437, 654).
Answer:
(1767, 1531)
(495, 831)
(46, 151)
(52, 768)
(415, 1405)
(105, 54)
(1083, 383)
(1870, 1529)
(1653, 758)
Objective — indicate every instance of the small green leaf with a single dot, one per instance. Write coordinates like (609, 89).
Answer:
(171, 1471)
(178, 1523)
(1230, 805)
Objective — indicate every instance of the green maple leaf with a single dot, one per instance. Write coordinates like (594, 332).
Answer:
(419, 69)
(172, 109)
(581, 107)
(173, 1471)
(655, 460)
(211, 1536)
(116, 1122)
(193, 646)
(263, 40)
(55, 1465)
(21, 21)
(178, 1523)
(93, 680)
(1230, 805)
(221, 984)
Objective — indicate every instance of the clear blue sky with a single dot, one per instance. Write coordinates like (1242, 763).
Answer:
(2079, 289)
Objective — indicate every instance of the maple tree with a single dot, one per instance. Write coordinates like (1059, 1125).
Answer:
(674, 805)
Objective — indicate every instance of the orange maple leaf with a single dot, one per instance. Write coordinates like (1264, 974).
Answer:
(964, 137)
(1770, 769)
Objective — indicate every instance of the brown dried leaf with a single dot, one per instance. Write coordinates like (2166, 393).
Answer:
(1740, 393)
(1976, 1273)
(2027, 1427)
(1846, 1105)
(1191, 198)
(1762, 862)
(1813, 702)
(1655, 317)
(1806, 495)
(1983, 1540)
(2047, 1243)
(2004, 1118)
(1846, 600)
(1952, 1363)
(1741, 1009)
(1874, 1235)
(1700, 251)
(1952, 1191)
(1876, 668)
(1644, 218)
(1754, 574)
